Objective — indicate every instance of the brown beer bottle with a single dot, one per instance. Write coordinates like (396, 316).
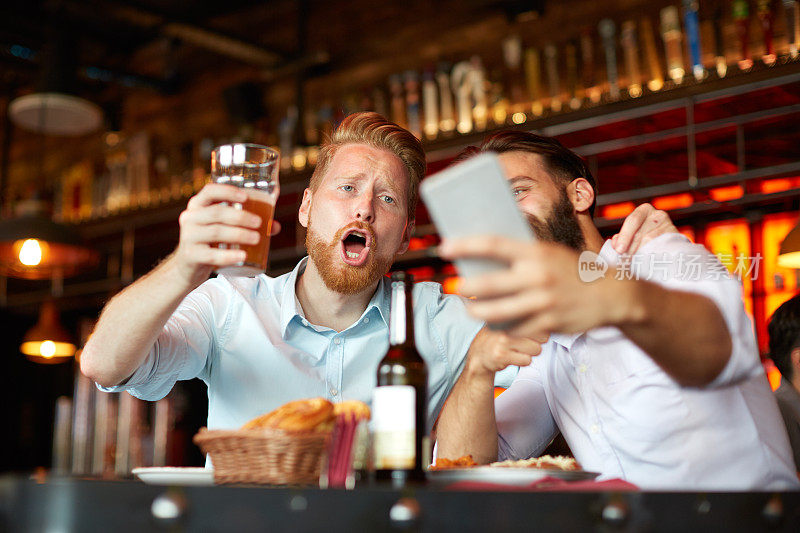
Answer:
(399, 402)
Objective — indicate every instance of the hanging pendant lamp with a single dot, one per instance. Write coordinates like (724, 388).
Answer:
(32, 246)
(47, 341)
(55, 107)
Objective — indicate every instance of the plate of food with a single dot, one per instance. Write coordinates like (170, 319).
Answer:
(522, 472)
(175, 475)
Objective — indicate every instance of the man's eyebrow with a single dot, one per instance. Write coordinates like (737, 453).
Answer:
(358, 176)
(517, 179)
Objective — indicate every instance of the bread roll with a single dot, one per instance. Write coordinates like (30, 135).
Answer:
(314, 414)
(359, 410)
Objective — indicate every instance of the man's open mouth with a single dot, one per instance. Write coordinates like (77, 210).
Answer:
(355, 246)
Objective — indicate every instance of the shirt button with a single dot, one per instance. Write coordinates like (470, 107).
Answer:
(366, 320)
(334, 392)
(305, 322)
(582, 368)
(337, 340)
(595, 428)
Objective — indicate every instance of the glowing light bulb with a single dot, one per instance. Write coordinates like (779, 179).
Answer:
(518, 118)
(47, 349)
(31, 253)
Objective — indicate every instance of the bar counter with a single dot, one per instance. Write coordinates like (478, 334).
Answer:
(72, 504)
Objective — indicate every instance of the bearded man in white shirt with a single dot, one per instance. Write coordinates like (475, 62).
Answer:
(657, 382)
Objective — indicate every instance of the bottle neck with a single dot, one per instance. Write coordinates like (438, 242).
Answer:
(401, 317)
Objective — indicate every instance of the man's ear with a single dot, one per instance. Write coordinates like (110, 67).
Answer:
(794, 357)
(403, 248)
(580, 194)
(305, 207)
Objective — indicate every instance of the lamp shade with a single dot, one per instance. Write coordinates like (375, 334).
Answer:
(55, 114)
(34, 247)
(789, 256)
(47, 341)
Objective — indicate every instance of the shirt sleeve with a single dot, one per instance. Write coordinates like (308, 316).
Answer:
(525, 425)
(184, 346)
(674, 262)
(444, 331)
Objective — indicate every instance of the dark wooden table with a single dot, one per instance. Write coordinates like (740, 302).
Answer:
(68, 504)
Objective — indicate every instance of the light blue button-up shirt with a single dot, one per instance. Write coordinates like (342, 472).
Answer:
(249, 341)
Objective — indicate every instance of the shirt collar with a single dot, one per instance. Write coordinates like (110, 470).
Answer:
(291, 308)
(290, 305)
(609, 254)
(564, 339)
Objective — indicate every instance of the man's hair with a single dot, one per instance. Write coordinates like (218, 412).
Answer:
(560, 162)
(784, 335)
(375, 130)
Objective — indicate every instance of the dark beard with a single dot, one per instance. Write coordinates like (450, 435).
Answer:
(561, 226)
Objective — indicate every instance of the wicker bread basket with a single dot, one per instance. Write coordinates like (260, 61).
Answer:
(264, 456)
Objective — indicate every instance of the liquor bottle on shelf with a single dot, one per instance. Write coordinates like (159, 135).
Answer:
(588, 69)
(553, 83)
(741, 17)
(398, 101)
(719, 40)
(399, 402)
(325, 119)
(571, 53)
(379, 101)
(656, 81)
(766, 17)
(498, 99)
(671, 34)
(286, 136)
(365, 102)
(447, 121)
(461, 80)
(792, 11)
(350, 103)
(607, 30)
(430, 104)
(411, 83)
(138, 169)
(533, 79)
(514, 84)
(692, 22)
(338, 114)
(480, 112)
(631, 52)
(311, 132)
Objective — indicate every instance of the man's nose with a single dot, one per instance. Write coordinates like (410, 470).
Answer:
(364, 209)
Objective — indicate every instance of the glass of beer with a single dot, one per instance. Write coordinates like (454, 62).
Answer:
(254, 168)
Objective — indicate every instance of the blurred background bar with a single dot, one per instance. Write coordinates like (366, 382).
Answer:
(111, 110)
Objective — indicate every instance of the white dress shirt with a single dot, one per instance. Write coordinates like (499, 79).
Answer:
(624, 417)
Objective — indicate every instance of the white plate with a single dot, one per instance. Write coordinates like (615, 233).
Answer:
(175, 475)
(506, 475)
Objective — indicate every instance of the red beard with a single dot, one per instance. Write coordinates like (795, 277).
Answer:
(337, 275)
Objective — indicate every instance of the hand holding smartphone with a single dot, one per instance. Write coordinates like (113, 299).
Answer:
(473, 198)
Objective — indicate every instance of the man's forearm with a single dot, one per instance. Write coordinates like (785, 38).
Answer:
(685, 333)
(130, 324)
(467, 422)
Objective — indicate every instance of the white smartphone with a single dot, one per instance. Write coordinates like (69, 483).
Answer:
(474, 198)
